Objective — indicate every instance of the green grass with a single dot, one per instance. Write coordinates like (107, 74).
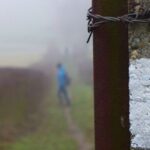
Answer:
(53, 133)
(83, 110)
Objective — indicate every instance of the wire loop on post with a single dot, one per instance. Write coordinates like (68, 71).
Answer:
(96, 20)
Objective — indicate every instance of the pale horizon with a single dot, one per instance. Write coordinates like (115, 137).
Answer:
(28, 27)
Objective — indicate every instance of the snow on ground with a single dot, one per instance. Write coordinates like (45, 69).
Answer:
(140, 102)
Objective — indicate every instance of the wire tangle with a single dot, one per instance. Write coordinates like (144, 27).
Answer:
(96, 20)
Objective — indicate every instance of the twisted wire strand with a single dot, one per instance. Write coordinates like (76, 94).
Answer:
(96, 20)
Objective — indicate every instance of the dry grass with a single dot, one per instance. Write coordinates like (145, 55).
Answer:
(22, 107)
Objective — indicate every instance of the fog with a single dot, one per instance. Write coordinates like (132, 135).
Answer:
(29, 29)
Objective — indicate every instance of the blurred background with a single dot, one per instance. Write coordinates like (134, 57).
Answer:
(34, 37)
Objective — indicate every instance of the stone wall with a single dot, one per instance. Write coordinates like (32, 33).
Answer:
(139, 34)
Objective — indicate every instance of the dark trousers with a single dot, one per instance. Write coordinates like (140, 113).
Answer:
(63, 95)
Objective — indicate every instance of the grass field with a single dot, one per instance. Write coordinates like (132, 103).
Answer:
(51, 132)
(83, 109)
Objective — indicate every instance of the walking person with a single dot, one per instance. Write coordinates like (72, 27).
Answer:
(63, 82)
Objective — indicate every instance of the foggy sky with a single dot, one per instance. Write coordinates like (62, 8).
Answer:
(29, 27)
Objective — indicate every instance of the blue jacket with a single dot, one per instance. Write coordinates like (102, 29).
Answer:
(61, 77)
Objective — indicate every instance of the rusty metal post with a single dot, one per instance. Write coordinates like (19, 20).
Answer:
(111, 78)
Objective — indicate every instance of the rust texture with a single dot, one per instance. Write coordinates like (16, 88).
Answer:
(111, 77)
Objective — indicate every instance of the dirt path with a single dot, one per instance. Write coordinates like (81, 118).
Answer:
(75, 131)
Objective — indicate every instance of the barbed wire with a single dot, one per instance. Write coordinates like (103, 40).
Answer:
(96, 20)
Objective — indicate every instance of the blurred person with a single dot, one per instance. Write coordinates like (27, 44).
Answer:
(63, 82)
